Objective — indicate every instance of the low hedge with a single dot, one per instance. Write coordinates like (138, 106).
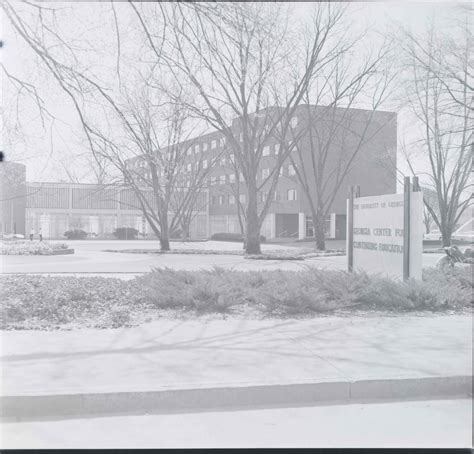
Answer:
(76, 234)
(36, 302)
(125, 233)
(237, 237)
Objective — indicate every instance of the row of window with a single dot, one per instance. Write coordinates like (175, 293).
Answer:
(291, 195)
(215, 143)
(290, 170)
(230, 178)
(204, 146)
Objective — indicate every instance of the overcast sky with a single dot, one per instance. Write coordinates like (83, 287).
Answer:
(47, 152)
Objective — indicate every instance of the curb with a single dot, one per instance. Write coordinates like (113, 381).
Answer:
(64, 406)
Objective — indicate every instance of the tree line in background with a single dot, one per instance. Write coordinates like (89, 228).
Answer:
(243, 70)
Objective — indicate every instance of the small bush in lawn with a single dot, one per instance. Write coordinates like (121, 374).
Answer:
(125, 233)
(237, 237)
(75, 234)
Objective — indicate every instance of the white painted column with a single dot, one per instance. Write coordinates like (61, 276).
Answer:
(301, 226)
(272, 225)
(332, 226)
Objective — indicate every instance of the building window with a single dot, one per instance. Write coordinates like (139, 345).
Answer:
(231, 200)
(188, 183)
(277, 148)
(277, 196)
(188, 152)
(241, 177)
(213, 144)
(204, 146)
(266, 150)
(204, 164)
(189, 167)
(282, 171)
(221, 200)
(242, 198)
(232, 178)
(196, 149)
(291, 194)
(291, 170)
(241, 137)
(213, 180)
(222, 179)
(294, 122)
(265, 173)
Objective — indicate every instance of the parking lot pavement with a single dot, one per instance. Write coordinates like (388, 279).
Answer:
(422, 424)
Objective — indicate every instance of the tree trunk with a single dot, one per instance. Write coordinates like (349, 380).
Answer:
(252, 237)
(319, 233)
(164, 244)
(164, 235)
(446, 237)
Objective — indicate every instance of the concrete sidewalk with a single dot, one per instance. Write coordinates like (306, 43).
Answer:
(281, 360)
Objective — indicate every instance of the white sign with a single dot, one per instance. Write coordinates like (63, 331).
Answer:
(378, 235)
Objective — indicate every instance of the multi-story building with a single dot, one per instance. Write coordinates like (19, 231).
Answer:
(57, 207)
(289, 215)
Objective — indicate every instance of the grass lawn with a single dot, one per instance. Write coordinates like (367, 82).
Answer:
(36, 302)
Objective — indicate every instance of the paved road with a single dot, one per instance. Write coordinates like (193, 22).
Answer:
(91, 258)
(433, 424)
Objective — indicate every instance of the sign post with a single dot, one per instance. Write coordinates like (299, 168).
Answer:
(350, 228)
(385, 233)
(406, 228)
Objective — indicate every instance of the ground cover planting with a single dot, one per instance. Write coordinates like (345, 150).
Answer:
(27, 247)
(40, 302)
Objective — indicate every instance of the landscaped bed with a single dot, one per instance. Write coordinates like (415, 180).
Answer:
(283, 254)
(26, 247)
(33, 302)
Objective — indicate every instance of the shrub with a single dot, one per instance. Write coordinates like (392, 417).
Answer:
(125, 233)
(75, 234)
(36, 302)
(237, 237)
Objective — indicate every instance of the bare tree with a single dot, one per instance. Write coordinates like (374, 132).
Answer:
(430, 200)
(442, 102)
(245, 64)
(446, 57)
(154, 162)
(123, 123)
(328, 140)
